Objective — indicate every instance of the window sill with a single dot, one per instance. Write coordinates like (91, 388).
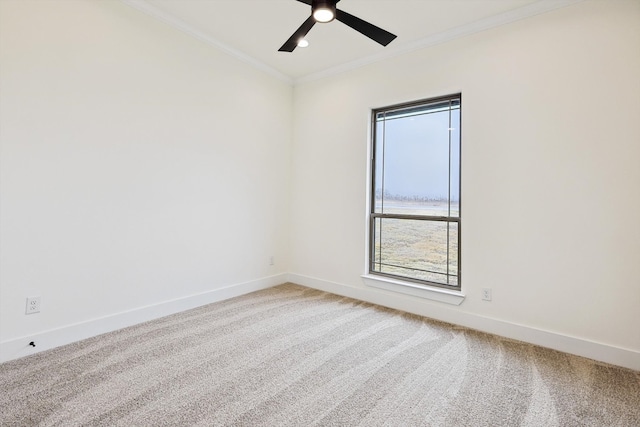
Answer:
(408, 288)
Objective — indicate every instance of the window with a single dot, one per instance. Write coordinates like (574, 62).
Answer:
(415, 197)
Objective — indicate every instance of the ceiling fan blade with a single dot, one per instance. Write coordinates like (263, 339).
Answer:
(291, 44)
(374, 33)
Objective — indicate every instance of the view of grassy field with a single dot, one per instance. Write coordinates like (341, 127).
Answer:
(419, 249)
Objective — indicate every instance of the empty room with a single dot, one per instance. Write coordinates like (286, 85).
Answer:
(297, 212)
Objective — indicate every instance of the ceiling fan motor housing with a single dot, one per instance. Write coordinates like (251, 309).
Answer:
(323, 8)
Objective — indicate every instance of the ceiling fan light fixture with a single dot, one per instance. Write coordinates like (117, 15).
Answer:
(303, 43)
(324, 11)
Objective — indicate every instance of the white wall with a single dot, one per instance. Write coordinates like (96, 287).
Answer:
(550, 176)
(139, 166)
(143, 172)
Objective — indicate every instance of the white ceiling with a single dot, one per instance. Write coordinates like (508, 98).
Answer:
(254, 30)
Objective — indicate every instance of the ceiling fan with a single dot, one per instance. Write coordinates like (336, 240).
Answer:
(326, 11)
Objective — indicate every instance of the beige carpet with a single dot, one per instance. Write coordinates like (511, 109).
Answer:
(291, 356)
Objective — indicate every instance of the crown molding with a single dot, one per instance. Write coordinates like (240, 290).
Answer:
(179, 24)
(524, 12)
(533, 9)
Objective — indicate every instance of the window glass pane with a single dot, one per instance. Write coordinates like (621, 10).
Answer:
(417, 249)
(416, 164)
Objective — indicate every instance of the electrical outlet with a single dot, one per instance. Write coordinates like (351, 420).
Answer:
(272, 260)
(486, 294)
(33, 305)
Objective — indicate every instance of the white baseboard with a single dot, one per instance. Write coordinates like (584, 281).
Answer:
(19, 347)
(593, 350)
